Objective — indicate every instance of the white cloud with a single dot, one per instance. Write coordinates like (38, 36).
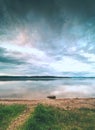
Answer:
(70, 64)
(91, 57)
(73, 91)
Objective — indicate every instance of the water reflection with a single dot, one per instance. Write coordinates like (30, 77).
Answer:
(63, 88)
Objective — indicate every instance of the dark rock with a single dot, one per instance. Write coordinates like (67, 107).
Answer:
(51, 97)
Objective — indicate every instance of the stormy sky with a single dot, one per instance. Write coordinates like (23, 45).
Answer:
(47, 37)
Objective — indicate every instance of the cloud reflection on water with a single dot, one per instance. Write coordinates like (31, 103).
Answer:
(66, 88)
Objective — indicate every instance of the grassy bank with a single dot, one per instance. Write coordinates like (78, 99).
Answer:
(9, 112)
(50, 118)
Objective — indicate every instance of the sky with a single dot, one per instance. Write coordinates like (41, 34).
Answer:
(47, 37)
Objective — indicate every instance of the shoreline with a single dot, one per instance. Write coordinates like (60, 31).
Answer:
(66, 103)
(18, 99)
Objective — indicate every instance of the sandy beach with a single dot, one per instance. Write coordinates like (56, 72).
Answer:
(67, 103)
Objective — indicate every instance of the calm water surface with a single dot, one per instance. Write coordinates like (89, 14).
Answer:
(62, 88)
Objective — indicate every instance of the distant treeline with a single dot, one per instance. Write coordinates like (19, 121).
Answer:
(17, 78)
(9, 78)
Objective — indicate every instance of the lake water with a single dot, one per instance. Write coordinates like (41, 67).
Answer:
(61, 88)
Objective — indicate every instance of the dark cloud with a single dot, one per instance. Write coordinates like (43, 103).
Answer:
(9, 59)
(2, 51)
(50, 18)
(50, 7)
(55, 13)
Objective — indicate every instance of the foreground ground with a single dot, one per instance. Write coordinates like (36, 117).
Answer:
(72, 110)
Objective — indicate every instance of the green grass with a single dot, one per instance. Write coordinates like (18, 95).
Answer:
(9, 112)
(50, 118)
